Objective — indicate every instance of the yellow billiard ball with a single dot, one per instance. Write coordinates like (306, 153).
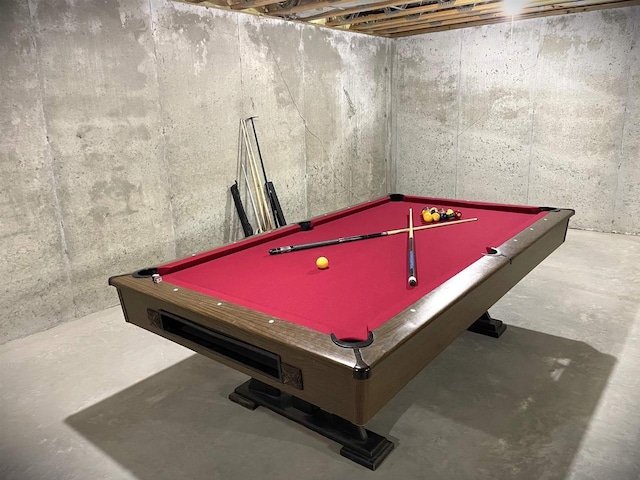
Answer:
(322, 263)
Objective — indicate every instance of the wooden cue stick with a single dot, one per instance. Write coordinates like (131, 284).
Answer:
(278, 216)
(335, 241)
(412, 253)
(262, 201)
(260, 193)
(260, 217)
(253, 203)
(243, 161)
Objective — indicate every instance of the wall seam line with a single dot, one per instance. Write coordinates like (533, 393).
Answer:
(458, 101)
(621, 151)
(163, 124)
(50, 160)
(533, 110)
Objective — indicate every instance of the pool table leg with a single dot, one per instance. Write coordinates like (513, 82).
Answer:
(358, 444)
(486, 325)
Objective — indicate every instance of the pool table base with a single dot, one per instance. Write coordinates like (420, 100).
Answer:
(486, 325)
(358, 444)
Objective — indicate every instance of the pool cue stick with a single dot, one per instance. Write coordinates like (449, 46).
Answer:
(412, 253)
(254, 171)
(278, 216)
(355, 238)
(237, 198)
(242, 160)
(262, 202)
(253, 203)
(261, 218)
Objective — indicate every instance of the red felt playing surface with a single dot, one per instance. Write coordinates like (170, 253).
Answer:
(366, 282)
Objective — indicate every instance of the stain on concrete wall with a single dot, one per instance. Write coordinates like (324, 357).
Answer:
(496, 111)
(198, 61)
(580, 94)
(426, 77)
(345, 118)
(100, 104)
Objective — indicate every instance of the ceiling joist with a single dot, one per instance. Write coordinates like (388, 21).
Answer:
(489, 8)
(393, 18)
(503, 19)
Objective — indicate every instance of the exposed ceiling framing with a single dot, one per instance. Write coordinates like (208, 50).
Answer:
(393, 18)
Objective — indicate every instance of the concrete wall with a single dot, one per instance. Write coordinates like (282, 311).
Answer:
(119, 125)
(543, 112)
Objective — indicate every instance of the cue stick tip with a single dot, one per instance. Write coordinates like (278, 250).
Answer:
(413, 281)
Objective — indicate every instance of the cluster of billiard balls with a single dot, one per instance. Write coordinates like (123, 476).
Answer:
(433, 214)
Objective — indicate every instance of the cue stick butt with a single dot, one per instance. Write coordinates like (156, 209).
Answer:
(412, 254)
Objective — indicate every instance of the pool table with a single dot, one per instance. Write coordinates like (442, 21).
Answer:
(328, 348)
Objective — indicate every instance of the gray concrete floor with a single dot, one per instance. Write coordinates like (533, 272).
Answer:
(557, 397)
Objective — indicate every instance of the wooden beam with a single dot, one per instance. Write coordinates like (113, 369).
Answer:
(253, 4)
(316, 5)
(434, 7)
(360, 8)
(527, 16)
(397, 23)
(452, 21)
(487, 8)
(207, 3)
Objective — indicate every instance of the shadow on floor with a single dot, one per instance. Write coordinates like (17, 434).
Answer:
(516, 407)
